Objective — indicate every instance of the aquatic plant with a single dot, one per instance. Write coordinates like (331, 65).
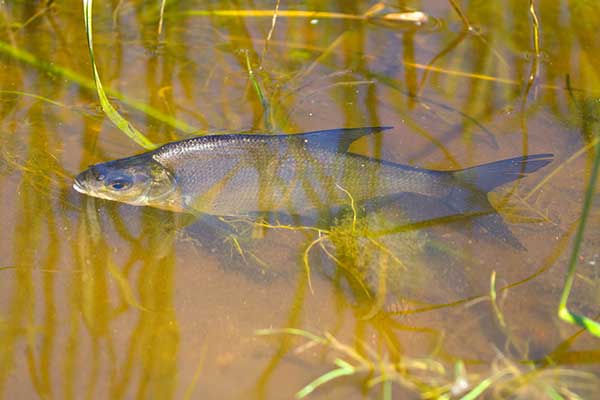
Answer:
(430, 379)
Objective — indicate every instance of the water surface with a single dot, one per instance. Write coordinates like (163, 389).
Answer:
(105, 300)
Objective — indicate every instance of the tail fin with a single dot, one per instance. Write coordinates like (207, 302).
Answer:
(486, 177)
(475, 182)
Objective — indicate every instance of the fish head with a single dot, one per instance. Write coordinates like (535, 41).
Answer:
(138, 180)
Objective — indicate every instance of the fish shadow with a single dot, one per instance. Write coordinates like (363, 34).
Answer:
(248, 246)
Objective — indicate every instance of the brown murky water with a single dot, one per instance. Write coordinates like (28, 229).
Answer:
(105, 300)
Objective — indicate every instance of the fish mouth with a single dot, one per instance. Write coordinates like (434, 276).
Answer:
(79, 186)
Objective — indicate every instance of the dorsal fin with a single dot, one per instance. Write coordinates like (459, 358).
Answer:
(338, 140)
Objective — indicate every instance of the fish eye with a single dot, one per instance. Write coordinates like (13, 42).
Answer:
(120, 183)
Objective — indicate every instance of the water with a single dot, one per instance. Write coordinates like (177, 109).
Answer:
(103, 300)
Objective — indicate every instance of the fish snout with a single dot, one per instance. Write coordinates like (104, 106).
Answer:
(80, 184)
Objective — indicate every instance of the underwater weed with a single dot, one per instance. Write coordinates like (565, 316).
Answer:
(430, 379)
(416, 374)
(354, 243)
(190, 389)
(524, 380)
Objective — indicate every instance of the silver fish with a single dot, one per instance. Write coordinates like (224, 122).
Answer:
(242, 174)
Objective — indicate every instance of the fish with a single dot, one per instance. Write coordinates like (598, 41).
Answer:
(244, 174)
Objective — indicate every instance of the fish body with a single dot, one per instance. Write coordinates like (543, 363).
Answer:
(242, 174)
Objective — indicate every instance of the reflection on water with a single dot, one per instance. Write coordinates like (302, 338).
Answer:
(100, 299)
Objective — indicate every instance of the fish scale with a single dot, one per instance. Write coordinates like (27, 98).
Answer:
(243, 173)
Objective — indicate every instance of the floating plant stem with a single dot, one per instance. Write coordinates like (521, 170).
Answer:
(563, 312)
(161, 17)
(108, 109)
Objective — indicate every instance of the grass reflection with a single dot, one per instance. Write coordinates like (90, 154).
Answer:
(145, 362)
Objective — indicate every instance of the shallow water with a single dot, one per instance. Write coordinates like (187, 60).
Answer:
(105, 300)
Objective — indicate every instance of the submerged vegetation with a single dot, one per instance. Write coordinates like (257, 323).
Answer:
(145, 303)
(431, 380)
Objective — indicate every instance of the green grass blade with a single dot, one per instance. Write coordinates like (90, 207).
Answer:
(477, 390)
(553, 394)
(588, 324)
(344, 370)
(108, 109)
(261, 96)
(387, 390)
